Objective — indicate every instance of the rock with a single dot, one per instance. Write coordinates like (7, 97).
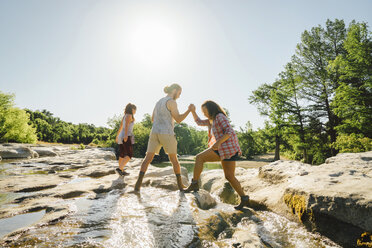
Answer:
(45, 151)
(163, 177)
(10, 151)
(110, 156)
(204, 199)
(100, 173)
(334, 198)
(228, 195)
(222, 224)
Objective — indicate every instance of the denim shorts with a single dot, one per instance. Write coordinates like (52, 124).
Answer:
(235, 157)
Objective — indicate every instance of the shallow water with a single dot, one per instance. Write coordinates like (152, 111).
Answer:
(158, 218)
(11, 224)
(154, 218)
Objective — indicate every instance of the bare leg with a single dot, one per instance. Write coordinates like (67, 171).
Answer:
(177, 170)
(176, 165)
(147, 160)
(123, 162)
(120, 161)
(229, 170)
(145, 164)
(207, 155)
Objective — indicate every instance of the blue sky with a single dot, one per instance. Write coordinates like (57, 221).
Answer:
(85, 60)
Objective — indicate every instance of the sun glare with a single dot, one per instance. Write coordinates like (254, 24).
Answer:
(153, 43)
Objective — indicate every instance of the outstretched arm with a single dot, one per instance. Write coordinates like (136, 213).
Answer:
(196, 117)
(172, 106)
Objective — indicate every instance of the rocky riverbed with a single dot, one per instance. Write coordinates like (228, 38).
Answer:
(60, 196)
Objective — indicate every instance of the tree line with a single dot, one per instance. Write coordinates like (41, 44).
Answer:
(27, 126)
(321, 103)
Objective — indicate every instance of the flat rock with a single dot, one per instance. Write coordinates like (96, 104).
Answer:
(14, 151)
(334, 198)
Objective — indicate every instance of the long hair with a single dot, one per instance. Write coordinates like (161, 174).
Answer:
(169, 89)
(213, 109)
(129, 108)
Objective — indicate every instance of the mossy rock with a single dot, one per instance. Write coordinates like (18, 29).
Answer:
(228, 194)
(298, 205)
(365, 240)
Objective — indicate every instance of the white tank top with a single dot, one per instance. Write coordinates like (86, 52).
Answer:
(163, 120)
(122, 132)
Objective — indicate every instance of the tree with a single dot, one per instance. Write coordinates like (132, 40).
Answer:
(291, 86)
(353, 98)
(318, 47)
(270, 102)
(14, 125)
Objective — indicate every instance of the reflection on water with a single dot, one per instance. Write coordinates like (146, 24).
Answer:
(156, 218)
(280, 232)
(11, 224)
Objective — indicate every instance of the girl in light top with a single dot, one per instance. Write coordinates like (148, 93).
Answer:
(125, 138)
(223, 146)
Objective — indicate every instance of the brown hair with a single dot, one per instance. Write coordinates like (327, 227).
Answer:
(213, 109)
(169, 89)
(129, 108)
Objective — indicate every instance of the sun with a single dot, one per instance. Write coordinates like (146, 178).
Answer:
(153, 43)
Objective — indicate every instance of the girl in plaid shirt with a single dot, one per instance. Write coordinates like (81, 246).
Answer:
(223, 146)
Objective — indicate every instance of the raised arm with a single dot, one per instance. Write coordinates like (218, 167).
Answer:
(198, 121)
(172, 106)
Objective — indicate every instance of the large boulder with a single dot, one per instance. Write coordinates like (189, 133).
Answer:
(45, 151)
(14, 151)
(334, 198)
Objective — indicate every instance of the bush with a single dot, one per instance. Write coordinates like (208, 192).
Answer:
(14, 125)
(353, 143)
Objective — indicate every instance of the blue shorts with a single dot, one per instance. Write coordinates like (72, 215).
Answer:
(235, 157)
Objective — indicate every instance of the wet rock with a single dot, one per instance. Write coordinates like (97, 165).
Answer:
(166, 182)
(71, 194)
(163, 178)
(36, 188)
(334, 198)
(228, 195)
(222, 225)
(204, 199)
(30, 183)
(100, 173)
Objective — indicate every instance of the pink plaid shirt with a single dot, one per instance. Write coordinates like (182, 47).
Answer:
(220, 127)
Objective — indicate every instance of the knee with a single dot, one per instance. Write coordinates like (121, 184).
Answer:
(199, 158)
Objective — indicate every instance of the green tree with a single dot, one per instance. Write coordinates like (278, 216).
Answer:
(318, 47)
(14, 125)
(353, 98)
(270, 102)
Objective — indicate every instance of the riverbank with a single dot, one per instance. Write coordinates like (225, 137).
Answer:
(73, 198)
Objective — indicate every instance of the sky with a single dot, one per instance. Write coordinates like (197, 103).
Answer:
(85, 60)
